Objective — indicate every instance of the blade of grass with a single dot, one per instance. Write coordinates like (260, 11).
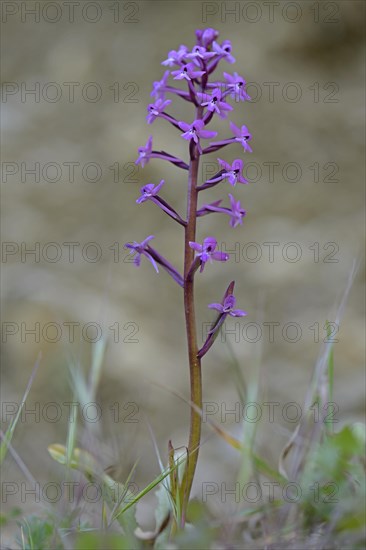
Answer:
(155, 445)
(121, 499)
(249, 429)
(329, 423)
(165, 482)
(148, 488)
(240, 384)
(98, 352)
(19, 462)
(11, 428)
(78, 382)
(71, 433)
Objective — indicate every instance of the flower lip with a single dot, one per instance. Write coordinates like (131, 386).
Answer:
(229, 303)
(207, 252)
(175, 57)
(237, 213)
(242, 135)
(149, 191)
(226, 308)
(224, 50)
(232, 172)
(215, 102)
(187, 72)
(144, 153)
(155, 109)
(159, 86)
(195, 131)
(140, 250)
(200, 54)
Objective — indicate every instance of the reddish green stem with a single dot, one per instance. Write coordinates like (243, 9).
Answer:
(194, 361)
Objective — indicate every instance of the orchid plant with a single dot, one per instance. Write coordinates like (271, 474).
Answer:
(209, 97)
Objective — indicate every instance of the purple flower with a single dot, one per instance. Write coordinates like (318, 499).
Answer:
(199, 54)
(155, 109)
(233, 172)
(195, 131)
(144, 153)
(214, 102)
(224, 50)
(205, 37)
(236, 85)
(159, 86)
(187, 72)
(175, 57)
(237, 213)
(148, 191)
(227, 307)
(140, 250)
(207, 252)
(242, 135)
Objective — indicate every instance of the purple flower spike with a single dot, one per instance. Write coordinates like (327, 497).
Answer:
(175, 57)
(207, 252)
(224, 50)
(214, 103)
(227, 307)
(237, 213)
(236, 86)
(233, 172)
(210, 96)
(155, 109)
(148, 191)
(187, 72)
(140, 250)
(159, 86)
(144, 153)
(242, 135)
(195, 131)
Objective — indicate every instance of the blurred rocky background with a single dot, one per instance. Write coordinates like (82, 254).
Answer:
(91, 69)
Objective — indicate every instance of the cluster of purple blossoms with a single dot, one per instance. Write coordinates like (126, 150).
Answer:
(194, 68)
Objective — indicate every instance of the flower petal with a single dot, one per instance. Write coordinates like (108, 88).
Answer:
(216, 306)
(195, 246)
(220, 256)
